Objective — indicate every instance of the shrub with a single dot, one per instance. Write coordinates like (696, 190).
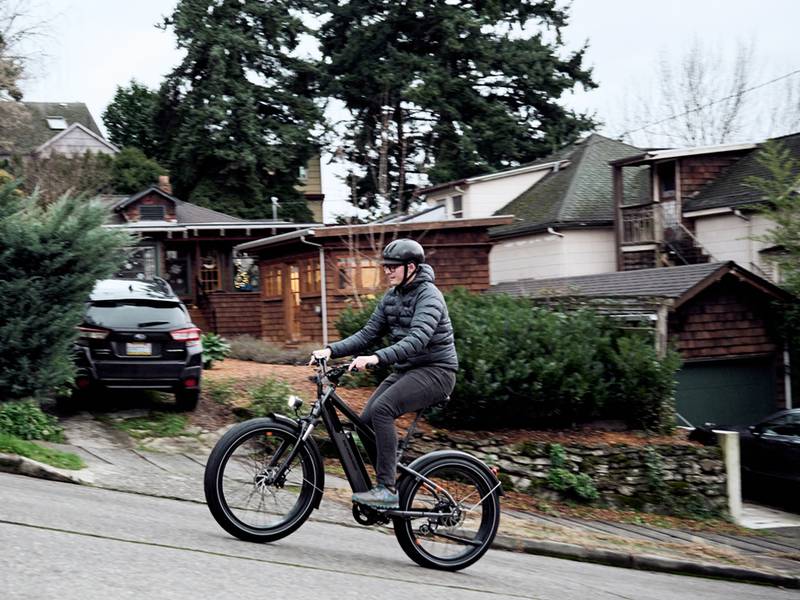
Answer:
(24, 419)
(215, 348)
(561, 479)
(246, 347)
(50, 258)
(220, 391)
(522, 364)
(270, 396)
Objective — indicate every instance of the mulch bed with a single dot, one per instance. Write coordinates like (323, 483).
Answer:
(244, 374)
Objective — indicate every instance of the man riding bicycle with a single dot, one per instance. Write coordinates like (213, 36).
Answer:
(422, 353)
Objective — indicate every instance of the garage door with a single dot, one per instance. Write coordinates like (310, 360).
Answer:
(726, 392)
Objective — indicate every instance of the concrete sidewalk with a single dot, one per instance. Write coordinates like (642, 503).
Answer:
(173, 468)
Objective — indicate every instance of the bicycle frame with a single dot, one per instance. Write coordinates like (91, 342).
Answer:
(325, 410)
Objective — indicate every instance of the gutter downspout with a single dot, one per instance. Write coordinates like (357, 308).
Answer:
(323, 289)
(787, 376)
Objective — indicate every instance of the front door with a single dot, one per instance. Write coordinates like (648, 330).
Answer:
(291, 302)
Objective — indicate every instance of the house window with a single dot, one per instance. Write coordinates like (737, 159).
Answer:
(273, 282)
(245, 274)
(310, 277)
(176, 271)
(151, 212)
(458, 207)
(56, 123)
(302, 174)
(210, 271)
(140, 263)
(371, 274)
(346, 273)
(666, 180)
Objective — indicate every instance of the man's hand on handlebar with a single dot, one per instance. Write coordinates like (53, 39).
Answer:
(321, 354)
(362, 362)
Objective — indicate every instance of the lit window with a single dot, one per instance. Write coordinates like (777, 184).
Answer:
(458, 207)
(346, 273)
(56, 122)
(311, 277)
(371, 274)
(273, 282)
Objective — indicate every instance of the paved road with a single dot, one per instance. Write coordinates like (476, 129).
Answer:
(67, 542)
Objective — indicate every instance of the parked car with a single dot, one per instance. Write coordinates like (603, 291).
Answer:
(770, 456)
(139, 335)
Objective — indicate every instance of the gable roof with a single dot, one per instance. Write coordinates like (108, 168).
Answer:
(77, 127)
(676, 283)
(730, 189)
(35, 131)
(580, 193)
(185, 212)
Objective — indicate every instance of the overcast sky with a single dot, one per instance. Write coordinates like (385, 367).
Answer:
(92, 46)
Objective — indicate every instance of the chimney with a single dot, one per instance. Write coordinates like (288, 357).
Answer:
(164, 185)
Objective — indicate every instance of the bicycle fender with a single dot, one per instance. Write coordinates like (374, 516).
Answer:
(425, 459)
(312, 445)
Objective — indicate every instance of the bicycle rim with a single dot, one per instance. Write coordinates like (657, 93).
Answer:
(248, 492)
(469, 520)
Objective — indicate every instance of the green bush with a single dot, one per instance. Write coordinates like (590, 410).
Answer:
(246, 347)
(220, 391)
(524, 365)
(561, 479)
(215, 348)
(24, 419)
(270, 396)
(50, 258)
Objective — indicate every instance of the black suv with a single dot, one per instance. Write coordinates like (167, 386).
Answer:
(139, 335)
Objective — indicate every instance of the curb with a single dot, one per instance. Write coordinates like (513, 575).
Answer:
(12, 463)
(644, 562)
(20, 465)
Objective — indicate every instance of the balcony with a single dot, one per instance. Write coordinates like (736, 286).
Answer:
(639, 224)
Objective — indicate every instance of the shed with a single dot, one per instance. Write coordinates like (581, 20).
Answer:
(721, 317)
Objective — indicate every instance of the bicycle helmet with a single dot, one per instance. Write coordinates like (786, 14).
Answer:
(402, 252)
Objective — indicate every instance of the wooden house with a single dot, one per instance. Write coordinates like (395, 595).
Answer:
(721, 317)
(192, 248)
(309, 276)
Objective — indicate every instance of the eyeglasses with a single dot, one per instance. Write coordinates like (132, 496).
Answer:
(391, 268)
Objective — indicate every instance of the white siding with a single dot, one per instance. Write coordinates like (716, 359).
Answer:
(728, 237)
(543, 255)
(76, 142)
(484, 198)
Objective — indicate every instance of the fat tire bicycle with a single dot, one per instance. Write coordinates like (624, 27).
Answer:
(265, 476)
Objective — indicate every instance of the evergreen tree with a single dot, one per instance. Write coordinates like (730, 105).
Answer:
(133, 172)
(130, 119)
(448, 88)
(50, 257)
(238, 113)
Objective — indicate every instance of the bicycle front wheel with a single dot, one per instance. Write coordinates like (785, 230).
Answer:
(244, 492)
(465, 502)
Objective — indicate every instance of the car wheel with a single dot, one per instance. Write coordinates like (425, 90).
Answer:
(187, 399)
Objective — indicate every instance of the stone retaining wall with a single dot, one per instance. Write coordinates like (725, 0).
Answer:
(666, 478)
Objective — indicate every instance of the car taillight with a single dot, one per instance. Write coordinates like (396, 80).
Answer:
(190, 334)
(90, 333)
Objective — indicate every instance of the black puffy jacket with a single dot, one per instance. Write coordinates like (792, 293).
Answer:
(415, 316)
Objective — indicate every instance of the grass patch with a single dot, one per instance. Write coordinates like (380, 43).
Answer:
(10, 444)
(157, 424)
(221, 391)
(245, 347)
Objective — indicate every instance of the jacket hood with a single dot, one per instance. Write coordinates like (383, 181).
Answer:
(424, 273)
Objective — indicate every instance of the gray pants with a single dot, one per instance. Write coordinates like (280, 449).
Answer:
(398, 394)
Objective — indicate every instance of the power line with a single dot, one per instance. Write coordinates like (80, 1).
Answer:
(712, 103)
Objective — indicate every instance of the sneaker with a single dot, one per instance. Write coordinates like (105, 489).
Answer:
(378, 497)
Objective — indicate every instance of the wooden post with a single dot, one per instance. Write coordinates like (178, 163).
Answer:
(618, 224)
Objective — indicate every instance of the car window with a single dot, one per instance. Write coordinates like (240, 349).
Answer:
(136, 314)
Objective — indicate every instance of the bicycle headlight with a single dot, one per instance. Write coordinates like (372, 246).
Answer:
(294, 402)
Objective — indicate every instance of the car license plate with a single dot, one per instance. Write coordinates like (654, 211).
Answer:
(139, 348)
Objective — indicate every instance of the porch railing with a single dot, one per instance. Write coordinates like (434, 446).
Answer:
(638, 224)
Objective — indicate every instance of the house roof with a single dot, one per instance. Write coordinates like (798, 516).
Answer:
(730, 189)
(580, 193)
(188, 216)
(651, 156)
(675, 283)
(339, 231)
(36, 131)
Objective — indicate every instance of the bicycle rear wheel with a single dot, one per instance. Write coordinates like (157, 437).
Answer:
(466, 497)
(242, 490)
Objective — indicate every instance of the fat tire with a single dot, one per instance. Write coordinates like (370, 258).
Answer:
(310, 459)
(407, 488)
